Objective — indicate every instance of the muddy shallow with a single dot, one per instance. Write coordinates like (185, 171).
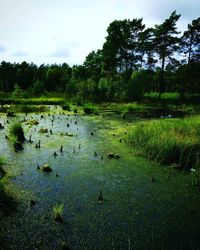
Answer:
(136, 213)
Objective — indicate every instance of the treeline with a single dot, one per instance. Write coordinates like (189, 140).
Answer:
(134, 60)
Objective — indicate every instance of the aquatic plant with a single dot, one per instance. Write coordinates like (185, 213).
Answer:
(58, 212)
(168, 141)
(17, 136)
(17, 132)
(46, 168)
(66, 106)
(75, 110)
(90, 109)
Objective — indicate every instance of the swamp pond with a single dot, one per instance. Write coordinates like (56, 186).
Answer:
(136, 213)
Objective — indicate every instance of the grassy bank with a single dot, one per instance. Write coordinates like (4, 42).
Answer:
(34, 101)
(168, 141)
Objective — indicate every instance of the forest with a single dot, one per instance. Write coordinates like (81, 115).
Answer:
(133, 61)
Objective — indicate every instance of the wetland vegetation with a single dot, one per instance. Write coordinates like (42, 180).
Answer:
(111, 148)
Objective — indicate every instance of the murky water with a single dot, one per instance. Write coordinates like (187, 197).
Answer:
(136, 213)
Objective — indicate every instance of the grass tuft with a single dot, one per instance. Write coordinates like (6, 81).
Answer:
(58, 212)
(17, 136)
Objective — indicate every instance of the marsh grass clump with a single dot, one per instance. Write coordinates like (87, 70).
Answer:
(10, 114)
(17, 136)
(58, 212)
(75, 110)
(66, 106)
(32, 108)
(46, 168)
(168, 141)
(90, 109)
(17, 131)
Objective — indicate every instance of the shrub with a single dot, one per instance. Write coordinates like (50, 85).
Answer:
(66, 106)
(90, 109)
(75, 110)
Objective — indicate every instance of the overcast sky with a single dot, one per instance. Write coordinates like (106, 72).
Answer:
(57, 31)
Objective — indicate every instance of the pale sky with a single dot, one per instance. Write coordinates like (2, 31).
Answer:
(58, 31)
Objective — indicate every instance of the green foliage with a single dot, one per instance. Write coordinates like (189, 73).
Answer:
(31, 108)
(168, 141)
(165, 95)
(166, 43)
(38, 88)
(58, 212)
(135, 86)
(17, 92)
(124, 69)
(75, 110)
(104, 89)
(17, 136)
(66, 106)
(17, 132)
(90, 109)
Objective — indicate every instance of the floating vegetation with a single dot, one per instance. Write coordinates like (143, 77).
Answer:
(32, 122)
(46, 168)
(43, 130)
(17, 136)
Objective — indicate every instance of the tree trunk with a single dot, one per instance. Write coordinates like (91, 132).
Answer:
(161, 78)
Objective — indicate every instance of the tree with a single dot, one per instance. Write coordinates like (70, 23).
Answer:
(38, 88)
(165, 43)
(121, 50)
(190, 46)
(191, 41)
(93, 65)
(146, 49)
(18, 92)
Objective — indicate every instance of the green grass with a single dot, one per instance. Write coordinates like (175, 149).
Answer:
(66, 106)
(165, 95)
(90, 108)
(168, 141)
(16, 135)
(58, 212)
(43, 100)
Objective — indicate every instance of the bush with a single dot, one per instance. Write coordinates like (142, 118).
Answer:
(75, 110)
(66, 106)
(18, 92)
(90, 109)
